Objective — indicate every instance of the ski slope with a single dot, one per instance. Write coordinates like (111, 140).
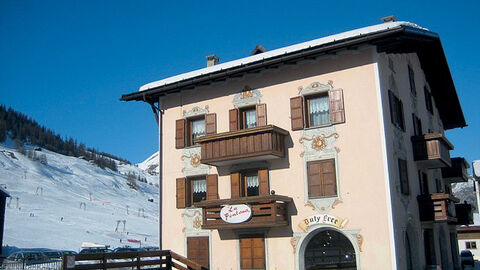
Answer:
(69, 201)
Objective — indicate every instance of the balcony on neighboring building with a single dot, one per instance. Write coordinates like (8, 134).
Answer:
(438, 207)
(457, 172)
(245, 145)
(464, 213)
(266, 211)
(432, 150)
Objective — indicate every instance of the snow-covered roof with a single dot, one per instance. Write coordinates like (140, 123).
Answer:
(286, 50)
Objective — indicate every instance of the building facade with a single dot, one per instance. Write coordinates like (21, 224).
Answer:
(327, 153)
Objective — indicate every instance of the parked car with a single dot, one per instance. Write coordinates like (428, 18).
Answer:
(466, 258)
(53, 254)
(27, 258)
(69, 252)
(128, 249)
(95, 250)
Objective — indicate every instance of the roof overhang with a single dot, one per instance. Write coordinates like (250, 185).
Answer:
(399, 39)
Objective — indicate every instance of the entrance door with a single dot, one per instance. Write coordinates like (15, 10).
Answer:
(252, 252)
(197, 250)
(329, 249)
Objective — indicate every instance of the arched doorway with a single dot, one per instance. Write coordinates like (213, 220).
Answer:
(329, 249)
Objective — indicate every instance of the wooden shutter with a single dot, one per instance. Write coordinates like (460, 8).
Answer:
(198, 250)
(337, 110)
(252, 252)
(180, 133)
(234, 119)
(314, 179)
(235, 184)
(321, 178)
(297, 113)
(263, 183)
(212, 187)
(393, 111)
(261, 114)
(403, 174)
(210, 123)
(329, 182)
(181, 193)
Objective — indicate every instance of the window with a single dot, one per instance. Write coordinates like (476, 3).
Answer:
(411, 78)
(417, 125)
(428, 100)
(471, 245)
(252, 251)
(317, 110)
(423, 183)
(396, 111)
(438, 185)
(248, 117)
(195, 189)
(195, 129)
(253, 182)
(429, 246)
(403, 173)
(187, 130)
(321, 178)
(198, 189)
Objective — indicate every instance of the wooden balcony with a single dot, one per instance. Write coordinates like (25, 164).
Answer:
(438, 207)
(246, 145)
(464, 213)
(457, 172)
(267, 211)
(432, 150)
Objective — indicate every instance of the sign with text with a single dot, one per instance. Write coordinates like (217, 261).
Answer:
(322, 219)
(236, 213)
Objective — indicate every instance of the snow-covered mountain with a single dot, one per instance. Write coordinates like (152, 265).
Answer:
(60, 201)
(150, 164)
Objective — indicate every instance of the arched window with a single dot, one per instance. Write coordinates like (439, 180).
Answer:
(329, 249)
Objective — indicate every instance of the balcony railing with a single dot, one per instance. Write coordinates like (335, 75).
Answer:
(432, 150)
(457, 172)
(246, 145)
(438, 207)
(267, 211)
(464, 213)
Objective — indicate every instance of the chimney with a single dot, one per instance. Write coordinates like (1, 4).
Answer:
(390, 18)
(212, 60)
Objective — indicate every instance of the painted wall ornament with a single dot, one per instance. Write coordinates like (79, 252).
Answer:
(191, 162)
(195, 111)
(247, 97)
(315, 87)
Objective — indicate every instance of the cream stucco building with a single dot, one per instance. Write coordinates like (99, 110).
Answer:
(328, 154)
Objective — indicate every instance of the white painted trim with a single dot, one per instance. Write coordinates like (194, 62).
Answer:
(391, 230)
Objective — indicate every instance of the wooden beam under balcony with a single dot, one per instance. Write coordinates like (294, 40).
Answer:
(432, 150)
(267, 211)
(457, 172)
(245, 145)
(437, 207)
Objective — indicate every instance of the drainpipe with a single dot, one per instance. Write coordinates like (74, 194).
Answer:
(158, 113)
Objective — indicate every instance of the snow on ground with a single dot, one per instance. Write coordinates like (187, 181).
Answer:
(69, 201)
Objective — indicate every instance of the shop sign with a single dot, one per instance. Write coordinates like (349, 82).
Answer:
(322, 219)
(236, 213)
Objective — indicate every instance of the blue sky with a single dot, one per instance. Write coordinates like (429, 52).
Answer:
(66, 63)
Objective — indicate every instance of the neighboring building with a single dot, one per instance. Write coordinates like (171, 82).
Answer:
(3, 197)
(333, 146)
